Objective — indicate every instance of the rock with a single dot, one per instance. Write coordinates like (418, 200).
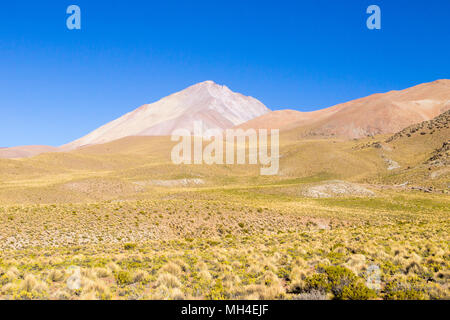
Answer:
(336, 188)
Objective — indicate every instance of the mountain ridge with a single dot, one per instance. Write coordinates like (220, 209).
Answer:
(379, 113)
(219, 107)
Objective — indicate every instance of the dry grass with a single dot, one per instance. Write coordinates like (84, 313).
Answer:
(205, 248)
(80, 218)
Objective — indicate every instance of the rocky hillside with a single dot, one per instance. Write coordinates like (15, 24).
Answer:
(441, 156)
(441, 122)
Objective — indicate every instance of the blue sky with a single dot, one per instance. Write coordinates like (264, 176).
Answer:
(57, 85)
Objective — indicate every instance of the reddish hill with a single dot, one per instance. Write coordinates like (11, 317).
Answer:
(376, 114)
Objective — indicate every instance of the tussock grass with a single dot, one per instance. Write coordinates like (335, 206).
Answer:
(239, 236)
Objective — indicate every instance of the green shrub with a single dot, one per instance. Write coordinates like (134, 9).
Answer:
(339, 281)
(23, 295)
(284, 273)
(317, 282)
(123, 278)
(357, 291)
(217, 292)
(398, 290)
(4, 279)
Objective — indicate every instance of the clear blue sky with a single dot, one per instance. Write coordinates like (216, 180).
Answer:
(57, 85)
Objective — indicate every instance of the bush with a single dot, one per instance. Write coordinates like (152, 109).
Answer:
(357, 291)
(398, 290)
(4, 279)
(123, 278)
(23, 295)
(317, 282)
(217, 292)
(339, 281)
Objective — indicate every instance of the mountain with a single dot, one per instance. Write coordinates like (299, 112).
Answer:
(376, 114)
(282, 119)
(218, 107)
(275, 120)
(25, 151)
(215, 105)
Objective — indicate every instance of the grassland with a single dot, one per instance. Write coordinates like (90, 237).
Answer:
(91, 225)
(208, 244)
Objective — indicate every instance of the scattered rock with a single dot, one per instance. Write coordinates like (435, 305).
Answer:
(441, 156)
(440, 122)
(423, 189)
(392, 165)
(337, 188)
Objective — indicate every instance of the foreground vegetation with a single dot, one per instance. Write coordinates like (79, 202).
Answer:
(261, 243)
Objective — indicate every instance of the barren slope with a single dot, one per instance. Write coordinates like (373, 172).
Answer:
(376, 114)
